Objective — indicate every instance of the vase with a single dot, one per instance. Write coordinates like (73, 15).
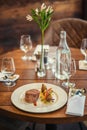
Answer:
(41, 72)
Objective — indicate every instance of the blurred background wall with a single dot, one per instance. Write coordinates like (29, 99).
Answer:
(13, 21)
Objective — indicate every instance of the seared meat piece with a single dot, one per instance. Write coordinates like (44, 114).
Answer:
(32, 95)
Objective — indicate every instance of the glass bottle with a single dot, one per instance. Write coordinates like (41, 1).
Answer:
(63, 55)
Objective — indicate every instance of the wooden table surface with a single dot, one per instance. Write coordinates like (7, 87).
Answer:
(27, 75)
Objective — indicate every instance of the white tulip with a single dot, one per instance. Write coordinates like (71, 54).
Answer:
(29, 17)
(36, 11)
(43, 6)
(51, 10)
(47, 10)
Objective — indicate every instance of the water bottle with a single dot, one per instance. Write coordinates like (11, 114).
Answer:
(63, 55)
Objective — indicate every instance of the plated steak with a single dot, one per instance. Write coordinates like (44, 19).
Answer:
(32, 95)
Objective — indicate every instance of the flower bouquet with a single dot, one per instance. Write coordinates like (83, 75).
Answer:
(42, 16)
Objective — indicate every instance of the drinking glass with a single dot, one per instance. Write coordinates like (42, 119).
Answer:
(8, 69)
(26, 46)
(69, 70)
(84, 48)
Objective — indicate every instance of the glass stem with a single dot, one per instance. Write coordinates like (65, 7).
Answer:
(68, 82)
(26, 54)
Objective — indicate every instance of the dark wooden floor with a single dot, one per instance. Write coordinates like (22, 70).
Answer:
(13, 124)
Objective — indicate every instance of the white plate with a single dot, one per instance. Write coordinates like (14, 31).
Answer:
(60, 99)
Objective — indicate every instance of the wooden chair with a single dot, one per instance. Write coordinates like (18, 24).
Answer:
(75, 28)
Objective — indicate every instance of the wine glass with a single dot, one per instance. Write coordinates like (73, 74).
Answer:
(8, 69)
(84, 48)
(26, 46)
(69, 70)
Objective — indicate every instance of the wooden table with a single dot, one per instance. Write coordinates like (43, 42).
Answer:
(27, 75)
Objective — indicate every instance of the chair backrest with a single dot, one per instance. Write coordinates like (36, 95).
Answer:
(75, 28)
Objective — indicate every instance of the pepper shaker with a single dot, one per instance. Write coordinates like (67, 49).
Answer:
(45, 56)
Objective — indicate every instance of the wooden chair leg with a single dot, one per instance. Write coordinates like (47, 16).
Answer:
(51, 127)
(27, 128)
(34, 125)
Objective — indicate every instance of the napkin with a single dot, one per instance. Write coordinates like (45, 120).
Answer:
(82, 65)
(38, 48)
(75, 105)
(11, 78)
